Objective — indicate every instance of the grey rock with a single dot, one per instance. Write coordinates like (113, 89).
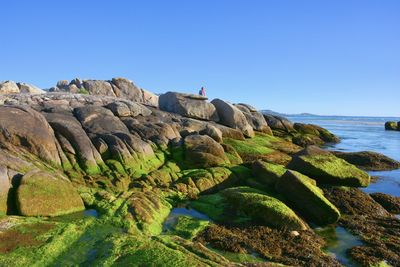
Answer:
(8, 87)
(232, 117)
(187, 105)
(28, 88)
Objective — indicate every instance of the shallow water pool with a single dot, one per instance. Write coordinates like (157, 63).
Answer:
(338, 241)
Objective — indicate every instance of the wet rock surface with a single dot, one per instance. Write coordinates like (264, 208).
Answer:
(364, 217)
(368, 160)
(390, 203)
(277, 246)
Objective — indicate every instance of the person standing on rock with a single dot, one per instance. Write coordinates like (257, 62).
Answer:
(202, 91)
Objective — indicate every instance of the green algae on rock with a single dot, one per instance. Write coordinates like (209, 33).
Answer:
(262, 146)
(307, 198)
(188, 227)
(267, 173)
(133, 164)
(264, 208)
(245, 203)
(45, 194)
(326, 168)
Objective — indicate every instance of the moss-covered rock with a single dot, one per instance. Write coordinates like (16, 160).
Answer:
(391, 125)
(201, 151)
(328, 169)
(261, 207)
(188, 227)
(368, 160)
(45, 194)
(267, 173)
(149, 210)
(232, 155)
(307, 198)
(240, 204)
(214, 206)
(196, 181)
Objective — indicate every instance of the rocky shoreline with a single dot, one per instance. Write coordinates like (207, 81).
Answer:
(133, 156)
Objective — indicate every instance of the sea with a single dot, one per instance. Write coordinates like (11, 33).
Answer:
(363, 134)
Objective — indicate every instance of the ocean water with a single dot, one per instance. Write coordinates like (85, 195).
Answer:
(364, 134)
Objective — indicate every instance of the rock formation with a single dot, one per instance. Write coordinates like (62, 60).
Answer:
(392, 126)
(133, 157)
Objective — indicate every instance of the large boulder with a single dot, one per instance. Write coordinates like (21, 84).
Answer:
(201, 151)
(23, 127)
(98, 87)
(313, 134)
(45, 194)
(113, 140)
(232, 117)
(279, 123)
(307, 198)
(149, 98)
(254, 118)
(191, 126)
(368, 160)
(126, 109)
(188, 105)
(8, 87)
(251, 205)
(228, 132)
(263, 208)
(267, 173)
(68, 127)
(391, 125)
(99, 120)
(326, 168)
(160, 133)
(29, 88)
(125, 88)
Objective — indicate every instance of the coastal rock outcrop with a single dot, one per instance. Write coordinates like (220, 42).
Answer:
(201, 151)
(112, 138)
(188, 105)
(267, 173)
(10, 87)
(74, 140)
(259, 206)
(392, 126)
(300, 133)
(326, 168)
(232, 117)
(101, 144)
(390, 203)
(306, 197)
(254, 118)
(23, 127)
(44, 194)
(279, 123)
(117, 87)
(311, 134)
(368, 160)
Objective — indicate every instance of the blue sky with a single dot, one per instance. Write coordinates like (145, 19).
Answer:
(323, 57)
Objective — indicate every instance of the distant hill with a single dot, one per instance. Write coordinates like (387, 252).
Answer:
(271, 112)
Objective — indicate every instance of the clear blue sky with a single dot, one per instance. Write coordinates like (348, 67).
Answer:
(324, 57)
